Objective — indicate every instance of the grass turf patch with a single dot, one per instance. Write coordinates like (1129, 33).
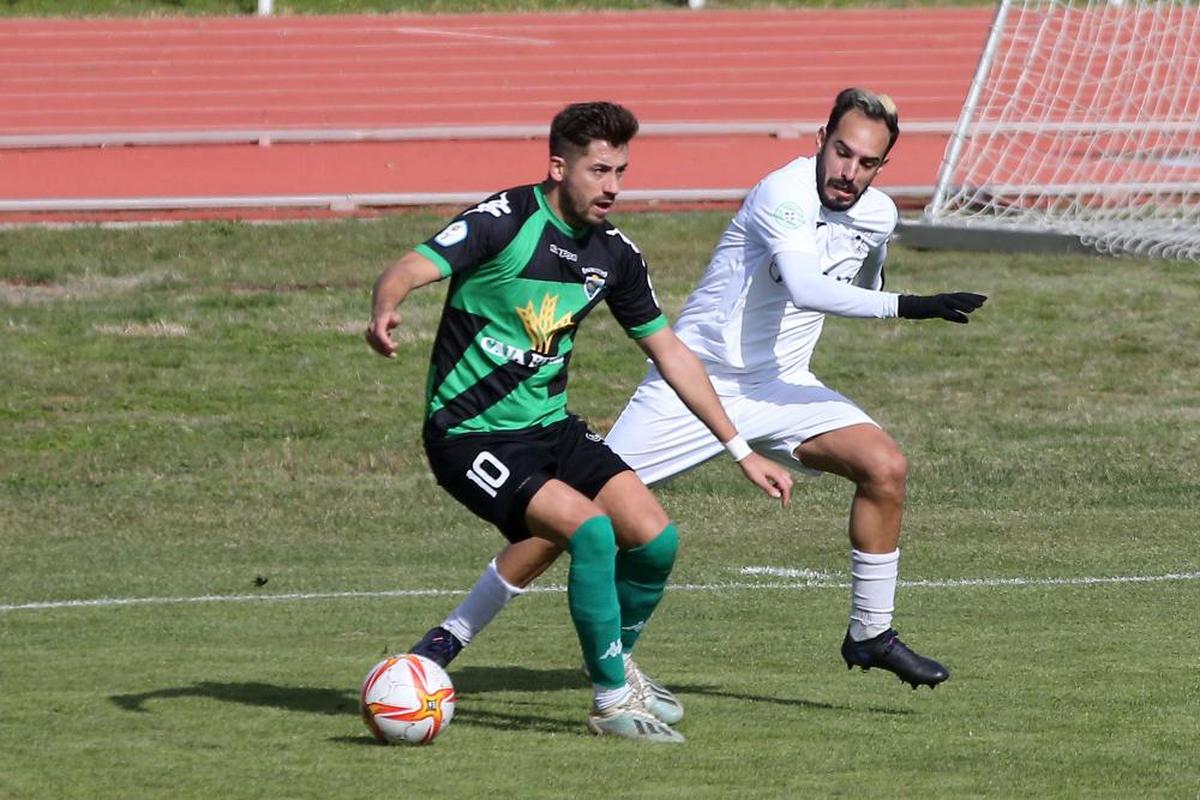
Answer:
(187, 410)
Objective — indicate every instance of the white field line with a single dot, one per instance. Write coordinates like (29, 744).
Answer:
(823, 579)
(810, 579)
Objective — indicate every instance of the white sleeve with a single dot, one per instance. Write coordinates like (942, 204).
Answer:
(781, 217)
(870, 275)
(813, 290)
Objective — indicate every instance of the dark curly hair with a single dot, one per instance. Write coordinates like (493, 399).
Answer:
(580, 124)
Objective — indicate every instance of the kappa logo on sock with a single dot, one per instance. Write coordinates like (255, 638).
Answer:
(637, 626)
(614, 650)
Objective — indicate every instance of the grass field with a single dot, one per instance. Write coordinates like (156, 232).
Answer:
(189, 410)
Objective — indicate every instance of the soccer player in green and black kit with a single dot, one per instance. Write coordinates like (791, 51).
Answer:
(525, 267)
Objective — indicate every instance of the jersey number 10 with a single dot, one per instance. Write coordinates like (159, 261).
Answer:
(488, 473)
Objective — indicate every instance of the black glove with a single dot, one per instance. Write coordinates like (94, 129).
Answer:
(953, 306)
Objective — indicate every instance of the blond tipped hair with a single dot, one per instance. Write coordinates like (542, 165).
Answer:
(874, 106)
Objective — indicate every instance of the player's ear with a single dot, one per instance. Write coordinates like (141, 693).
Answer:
(820, 137)
(558, 168)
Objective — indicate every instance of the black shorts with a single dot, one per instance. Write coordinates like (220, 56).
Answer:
(496, 474)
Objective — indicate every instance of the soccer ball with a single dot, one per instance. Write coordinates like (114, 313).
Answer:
(407, 699)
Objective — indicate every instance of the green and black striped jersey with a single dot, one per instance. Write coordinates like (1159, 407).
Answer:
(521, 282)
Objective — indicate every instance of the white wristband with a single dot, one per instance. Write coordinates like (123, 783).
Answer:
(738, 448)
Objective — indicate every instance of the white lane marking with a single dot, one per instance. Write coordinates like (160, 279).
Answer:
(491, 37)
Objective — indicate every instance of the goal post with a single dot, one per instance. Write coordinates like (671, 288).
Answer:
(1083, 120)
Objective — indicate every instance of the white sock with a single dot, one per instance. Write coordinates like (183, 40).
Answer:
(489, 594)
(607, 698)
(872, 592)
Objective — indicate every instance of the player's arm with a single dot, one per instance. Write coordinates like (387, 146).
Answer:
(810, 288)
(686, 375)
(391, 288)
(870, 275)
(786, 223)
(800, 273)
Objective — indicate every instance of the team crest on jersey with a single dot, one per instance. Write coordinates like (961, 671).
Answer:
(593, 281)
(452, 234)
(496, 208)
(541, 324)
(790, 215)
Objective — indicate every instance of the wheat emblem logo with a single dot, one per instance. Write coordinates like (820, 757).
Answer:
(541, 325)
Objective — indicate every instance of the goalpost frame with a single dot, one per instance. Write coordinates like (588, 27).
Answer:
(954, 148)
(1081, 125)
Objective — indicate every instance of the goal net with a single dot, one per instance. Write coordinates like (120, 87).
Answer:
(1083, 119)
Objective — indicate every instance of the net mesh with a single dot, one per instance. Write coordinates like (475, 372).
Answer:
(1086, 122)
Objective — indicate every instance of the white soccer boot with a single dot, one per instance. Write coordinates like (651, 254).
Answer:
(657, 699)
(629, 719)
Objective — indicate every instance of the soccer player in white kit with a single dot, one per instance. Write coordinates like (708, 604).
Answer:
(809, 240)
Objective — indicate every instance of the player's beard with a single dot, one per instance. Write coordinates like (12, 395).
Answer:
(823, 185)
(584, 208)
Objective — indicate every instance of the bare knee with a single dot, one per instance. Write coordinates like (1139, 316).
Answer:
(636, 514)
(885, 475)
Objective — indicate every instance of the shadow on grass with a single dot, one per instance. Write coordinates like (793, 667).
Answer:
(472, 680)
(516, 721)
(790, 701)
(468, 681)
(290, 698)
(478, 680)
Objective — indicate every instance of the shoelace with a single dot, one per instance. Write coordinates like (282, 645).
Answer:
(638, 684)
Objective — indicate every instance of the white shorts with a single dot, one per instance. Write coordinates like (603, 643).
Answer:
(660, 438)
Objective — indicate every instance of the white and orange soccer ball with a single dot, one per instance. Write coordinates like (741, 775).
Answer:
(407, 699)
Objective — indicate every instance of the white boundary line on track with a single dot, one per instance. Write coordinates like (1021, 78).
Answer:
(473, 36)
(217, 136)
(353, 202)
(810, 579)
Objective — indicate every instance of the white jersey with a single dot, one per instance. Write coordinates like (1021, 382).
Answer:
(740, 319)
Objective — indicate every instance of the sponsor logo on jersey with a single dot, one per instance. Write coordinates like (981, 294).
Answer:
(593, 281)
(789, 215)
(452, 234)
(563, 253)
(516, 355)
(541, 324)
(496, 208)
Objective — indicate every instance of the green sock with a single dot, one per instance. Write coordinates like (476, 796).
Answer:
(592, 599)
(642, 574)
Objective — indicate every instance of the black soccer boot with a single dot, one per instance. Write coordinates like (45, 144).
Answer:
(438, 645)
(886, 651)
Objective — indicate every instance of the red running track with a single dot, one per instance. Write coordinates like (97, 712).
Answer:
(320, 77)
